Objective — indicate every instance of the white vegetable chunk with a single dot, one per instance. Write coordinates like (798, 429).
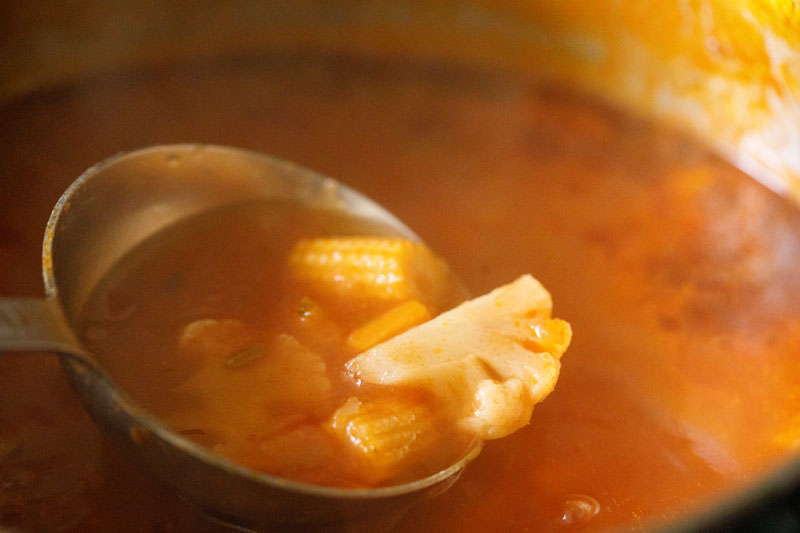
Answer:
(490, 360)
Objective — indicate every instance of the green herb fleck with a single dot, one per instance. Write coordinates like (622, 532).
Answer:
(246, 356)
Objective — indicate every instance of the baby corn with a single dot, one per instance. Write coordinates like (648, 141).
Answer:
(385, 433)
(367, 267)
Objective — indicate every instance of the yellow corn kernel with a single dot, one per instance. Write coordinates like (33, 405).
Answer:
(386, 433)
(368, 267)
(393, 322)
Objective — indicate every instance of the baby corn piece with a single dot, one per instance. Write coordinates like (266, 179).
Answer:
(368, 267)
(385, 433)
(395, 320)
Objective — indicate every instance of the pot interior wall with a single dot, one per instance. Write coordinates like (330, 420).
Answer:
(727, 71)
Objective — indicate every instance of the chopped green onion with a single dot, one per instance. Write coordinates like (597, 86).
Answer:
(248, 355)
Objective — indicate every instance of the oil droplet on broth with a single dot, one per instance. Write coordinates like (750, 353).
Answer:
(578, 509)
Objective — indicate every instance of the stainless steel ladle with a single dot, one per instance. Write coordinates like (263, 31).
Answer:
(114, 206)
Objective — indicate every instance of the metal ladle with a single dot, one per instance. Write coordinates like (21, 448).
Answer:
(111, 208)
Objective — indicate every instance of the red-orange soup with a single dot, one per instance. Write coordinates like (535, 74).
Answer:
(677, 272)
(213, 327)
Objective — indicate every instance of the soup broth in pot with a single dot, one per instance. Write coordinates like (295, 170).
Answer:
(677, 272)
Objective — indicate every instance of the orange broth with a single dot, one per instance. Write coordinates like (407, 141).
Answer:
(207, 327)
(677, 271)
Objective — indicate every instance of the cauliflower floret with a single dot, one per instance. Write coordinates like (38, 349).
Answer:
(490, 360)
(210, 337)
(259, 390)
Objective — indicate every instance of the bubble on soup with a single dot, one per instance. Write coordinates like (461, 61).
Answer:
(579, 508)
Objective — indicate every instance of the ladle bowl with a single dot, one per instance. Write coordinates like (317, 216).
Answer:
(116, 205)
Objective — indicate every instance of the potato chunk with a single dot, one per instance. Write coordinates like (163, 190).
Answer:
(490, 360)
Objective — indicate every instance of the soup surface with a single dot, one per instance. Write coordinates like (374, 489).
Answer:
(258, 329)
(677, 272)
(234, 326)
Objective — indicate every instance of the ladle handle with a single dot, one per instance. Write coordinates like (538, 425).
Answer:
(31, 324)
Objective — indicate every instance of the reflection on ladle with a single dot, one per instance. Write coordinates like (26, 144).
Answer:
(111, 208)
